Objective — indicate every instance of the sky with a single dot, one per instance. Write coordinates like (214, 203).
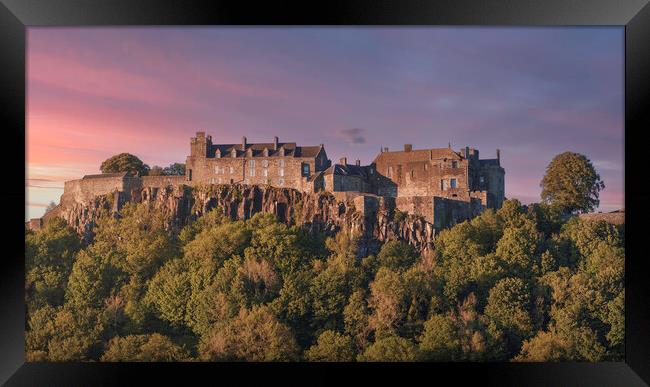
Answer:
(531, 92)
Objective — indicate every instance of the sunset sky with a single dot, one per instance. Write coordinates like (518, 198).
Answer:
(531, 92)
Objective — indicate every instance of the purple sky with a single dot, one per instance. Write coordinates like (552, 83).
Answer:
(532, 92)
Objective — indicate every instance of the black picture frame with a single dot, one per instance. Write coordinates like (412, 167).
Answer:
(17, 15)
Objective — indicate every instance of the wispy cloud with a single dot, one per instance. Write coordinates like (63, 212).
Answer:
(352, 136)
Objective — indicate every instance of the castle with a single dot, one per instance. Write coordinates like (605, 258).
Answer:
(441, 185)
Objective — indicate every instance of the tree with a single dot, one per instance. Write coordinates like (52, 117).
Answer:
(571, 183)
(440, 341)
(546, 346)
(254, 335)
(177, 169)
(390, 348)
(169, 291)
(147, 347)
(331, 346)
(397, 255)
(49, 256)
(124, 162)
(508, 310)
(355, 316)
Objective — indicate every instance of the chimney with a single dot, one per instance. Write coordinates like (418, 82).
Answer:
(243, 143)
(408, 147)
(467, 152)
(499, 155)
(275, 143)
(358, 163)
(343, 161)
(386, 149)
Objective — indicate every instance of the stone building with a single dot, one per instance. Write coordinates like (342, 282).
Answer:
(440, 185)
(276, 164)
(440, 172)
(344, 177)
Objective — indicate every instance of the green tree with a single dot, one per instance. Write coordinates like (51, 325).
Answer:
(146, 347)
(169, 291)
(518, 249)
(508, 308)
(571, 183)
(355, 317)
(331, 346)
(124, 162)
(397, 255)
(440, 341)
(49, 256)
(177, 169)
(390, 348)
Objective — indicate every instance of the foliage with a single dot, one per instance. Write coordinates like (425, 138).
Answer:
(390, 348)
(124, 162)
(331, 346)
(522, 283)
(175, 169)
(571, 183)
(148, 347)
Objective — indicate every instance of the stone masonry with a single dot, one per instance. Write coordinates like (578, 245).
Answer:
(441, 186)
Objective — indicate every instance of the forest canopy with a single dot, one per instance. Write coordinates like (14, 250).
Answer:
(523, 283)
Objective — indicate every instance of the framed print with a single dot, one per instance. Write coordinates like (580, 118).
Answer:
(312, 193)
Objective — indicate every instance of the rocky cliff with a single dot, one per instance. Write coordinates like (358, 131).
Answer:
(372, 217)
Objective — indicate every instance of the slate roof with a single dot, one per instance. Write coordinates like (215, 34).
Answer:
(347, 170)
(290, 149)
(420, 154)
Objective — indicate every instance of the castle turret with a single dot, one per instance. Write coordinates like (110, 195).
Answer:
(200, 145)
(243, 143)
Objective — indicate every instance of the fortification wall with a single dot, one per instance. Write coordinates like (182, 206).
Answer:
(84, 190)
(416, 205)
(162, 181)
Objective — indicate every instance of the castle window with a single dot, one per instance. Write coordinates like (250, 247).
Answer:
(305, 169)
(390, 171)
(281, 172)
(412, 174)
(443, 184)
(481, 180)
(234, 153)
(265, 172)
(453, 183)
(251, 168)
(281, 182)
(265, 163)
(454, 164)
(232, 170)
(189, 175)
(281, 163)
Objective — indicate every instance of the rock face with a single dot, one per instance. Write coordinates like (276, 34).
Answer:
(370, 217)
